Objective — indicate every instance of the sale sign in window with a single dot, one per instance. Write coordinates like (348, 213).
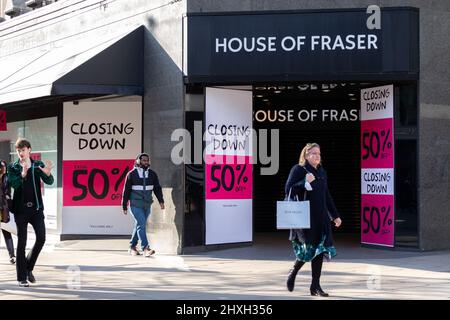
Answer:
(377, 166)
(100, 144)
(228, 166)
(94, 182)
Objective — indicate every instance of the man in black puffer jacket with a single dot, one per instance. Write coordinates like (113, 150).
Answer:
(138, 189)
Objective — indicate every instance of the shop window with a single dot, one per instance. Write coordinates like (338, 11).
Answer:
(406, 228)
(407, 105)
(42, 134)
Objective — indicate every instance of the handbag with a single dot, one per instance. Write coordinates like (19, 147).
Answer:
(5, 216)
(10, 226)
(293, 214)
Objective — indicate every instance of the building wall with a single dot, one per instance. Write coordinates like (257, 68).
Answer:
(163, 102)
(433, 100)
(67, 21)
(434, 128)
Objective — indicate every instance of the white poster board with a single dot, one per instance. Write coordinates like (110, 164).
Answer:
(228, 176)
(100, 143)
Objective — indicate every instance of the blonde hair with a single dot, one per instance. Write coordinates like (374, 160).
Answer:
(305, 151)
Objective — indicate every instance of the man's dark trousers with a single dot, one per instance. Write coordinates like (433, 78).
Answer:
(26, 264)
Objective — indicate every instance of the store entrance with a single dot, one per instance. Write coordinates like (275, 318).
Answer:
(327, 114)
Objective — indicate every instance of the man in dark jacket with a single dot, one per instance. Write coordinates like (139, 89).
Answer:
(24, 176)
(140, 183)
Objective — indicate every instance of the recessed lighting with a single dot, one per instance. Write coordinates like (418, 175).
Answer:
(351, 94)
(326, 90)
(259, 96)
(303, 87)
(265, 100)
(277, 91)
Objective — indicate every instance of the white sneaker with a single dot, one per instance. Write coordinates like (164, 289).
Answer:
(24, 283)
(133, 251)
(148, 252)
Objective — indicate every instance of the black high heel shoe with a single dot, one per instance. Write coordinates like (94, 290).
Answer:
(318, 292)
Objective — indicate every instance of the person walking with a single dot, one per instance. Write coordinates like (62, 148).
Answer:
(5, 196)
(24, 176)
(140, 183)
(316, 242)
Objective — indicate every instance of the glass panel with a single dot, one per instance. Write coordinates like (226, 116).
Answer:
(406, 193)
(42, 134)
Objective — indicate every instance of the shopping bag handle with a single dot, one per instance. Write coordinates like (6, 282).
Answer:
(289, 195)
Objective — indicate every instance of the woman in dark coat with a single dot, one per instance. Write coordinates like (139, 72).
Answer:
(312, 244)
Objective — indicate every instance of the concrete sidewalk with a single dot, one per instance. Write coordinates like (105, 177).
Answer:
(102, 269)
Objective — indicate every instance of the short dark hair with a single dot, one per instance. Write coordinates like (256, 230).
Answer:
(22, 143)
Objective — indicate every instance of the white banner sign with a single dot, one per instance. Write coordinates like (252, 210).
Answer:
(101, 141)
(102, 130)
(228, 188)
(377, 103)
(377, 181)
(228, 122)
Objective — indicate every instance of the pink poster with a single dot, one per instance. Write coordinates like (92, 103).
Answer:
(94, 182)
(377, 143)
(377, 219)
(377, 166)
(228, 177)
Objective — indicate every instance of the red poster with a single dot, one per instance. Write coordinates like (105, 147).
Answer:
(36, 156)
(377, 219)
(228, 177)
(3, 120)
(94, 182)
(377, 143)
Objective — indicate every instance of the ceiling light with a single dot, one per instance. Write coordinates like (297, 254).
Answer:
(303, 87)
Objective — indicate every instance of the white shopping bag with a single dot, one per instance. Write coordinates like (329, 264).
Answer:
(293, 214)
(11, 225)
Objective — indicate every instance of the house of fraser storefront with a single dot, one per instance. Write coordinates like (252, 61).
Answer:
(341, 78)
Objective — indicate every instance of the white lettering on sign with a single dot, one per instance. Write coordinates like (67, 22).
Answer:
(306, 115)
(377, 181)
(297, 43)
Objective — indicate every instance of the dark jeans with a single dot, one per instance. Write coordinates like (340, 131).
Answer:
(9, 243)
(25, 264)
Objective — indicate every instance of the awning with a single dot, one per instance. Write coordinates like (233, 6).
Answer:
(110, 65)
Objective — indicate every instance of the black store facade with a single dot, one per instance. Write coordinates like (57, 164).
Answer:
(308, 74)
